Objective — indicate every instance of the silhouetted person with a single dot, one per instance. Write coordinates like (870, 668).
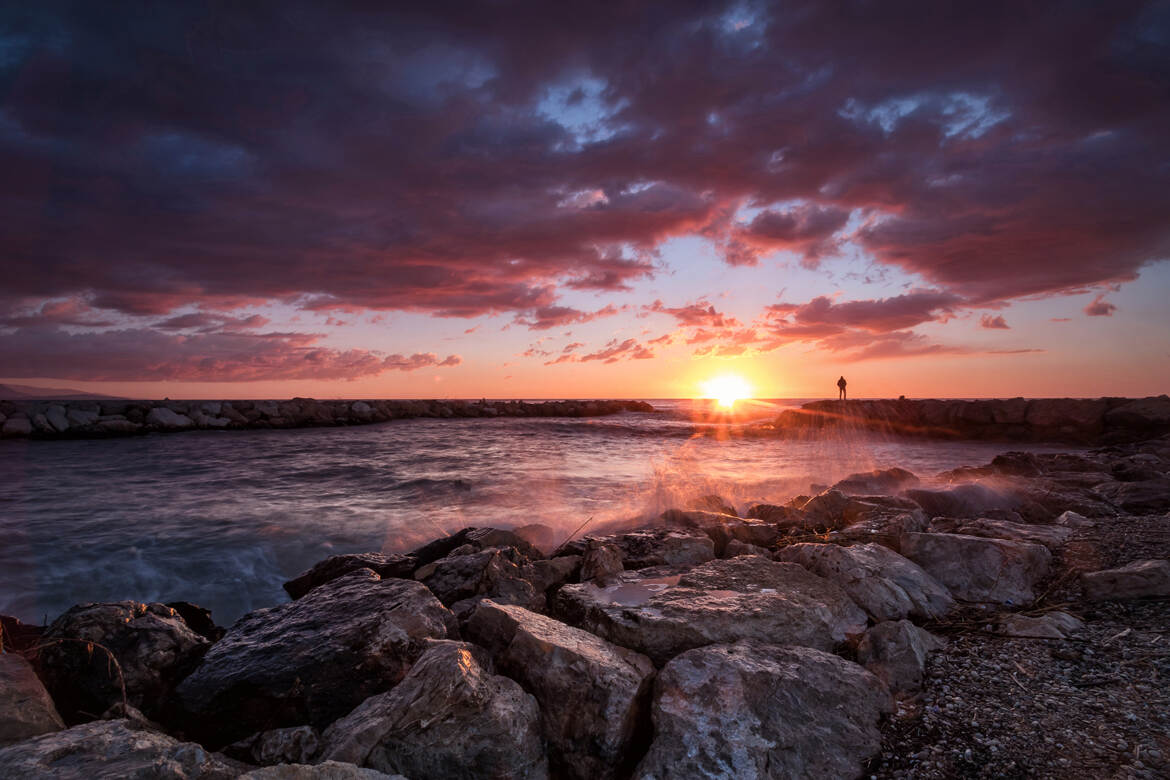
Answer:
(841, 386)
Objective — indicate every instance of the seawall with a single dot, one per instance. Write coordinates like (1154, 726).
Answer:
(100, 419)
(1080, 420)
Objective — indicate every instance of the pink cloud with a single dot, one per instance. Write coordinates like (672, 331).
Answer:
(1100, 307)
(993, 323)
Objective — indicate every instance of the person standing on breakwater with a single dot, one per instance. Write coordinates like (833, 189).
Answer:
(841, 388)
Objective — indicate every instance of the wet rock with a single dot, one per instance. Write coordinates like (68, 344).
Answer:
(969, 500)
(882, 528)
(976, 569)
(663, 547)
(713, 503)
(878, 481)
(1140, 579)
(492, 573)
(601, 561)
(1143, 497)
(295, 745)
(551, 572)
(720, 601)
(153, 646)
(1072, 520)
(329, 770)
(1051, 536)
(112, 748)
(450, 717)
(162, 417)
(591, 692)
(735, 548)
(539, 536)
(781, 516)
(754, 710)
(1050, 625)
(26, 710)
(386, 566)
(312, 660)
(879, 580)
(826, 510)
(478, 538)
(896, 653)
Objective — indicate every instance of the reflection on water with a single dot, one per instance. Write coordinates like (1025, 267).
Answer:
(222, 518)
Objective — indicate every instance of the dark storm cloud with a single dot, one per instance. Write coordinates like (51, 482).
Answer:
(472, 159)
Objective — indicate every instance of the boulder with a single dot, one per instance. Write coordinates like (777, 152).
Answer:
(1147, 496)
(736, 548)
(386, 566)
(26, 710)
(896, 654)
(592, 694)
(540, 536)
(1051, 536)
(198, 619)
(466, 578)
(754, 710)
(882, 528)
(878, 481)
(55, 414)
(478, 538)
(1143, 414)
(329, 770)
(112, 748)
(1077, 417)
(780, 516)
(600, 561)
(1140, 579)
(551, 573)
(713, 503)
(663, 547)
(1050, 625)
(310, 661)
(880, 581)
(970, 500)
(295, 745)
(152, 645)
(81, 417)
(162, 417)
(826, 511)
(718, 602)
(450, 717)
(976, 569)
(16, 427)
(1072, 520)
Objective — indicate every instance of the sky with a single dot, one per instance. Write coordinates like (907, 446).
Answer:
(570, 199)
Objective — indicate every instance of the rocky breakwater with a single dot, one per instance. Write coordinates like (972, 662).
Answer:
(821, 638)
(1082, 420)
(101, 419)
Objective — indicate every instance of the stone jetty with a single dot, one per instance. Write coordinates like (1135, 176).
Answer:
(1003, 620)
(102, 419)
(1080, 420)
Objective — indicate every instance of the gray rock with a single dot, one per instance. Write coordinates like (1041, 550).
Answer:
(1050, 625)
(736, 548)
(450, 717)
(109, 749)
(827, 510)
(720, 601)
(1051, 536)
(600, 561)
(15, 427)
(153, 646)
(976, 569)
(329, 770)
(1140, 579)
(591, 693)
(1073, 520)
(57, 418)
(551, 572)
(467, 576)
(167, 419)
(312, 660)
(295, 745)
(663, 547)
(878, 481)
(386, 566)
(969, 500)
(882, 582)
(896, 654)
(1143, 497)
(753, 710)
(26, 710)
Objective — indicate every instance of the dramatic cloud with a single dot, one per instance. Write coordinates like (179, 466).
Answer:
(701, 314)
(464, 160)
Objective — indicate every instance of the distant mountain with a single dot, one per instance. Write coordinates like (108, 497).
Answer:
(31, 393)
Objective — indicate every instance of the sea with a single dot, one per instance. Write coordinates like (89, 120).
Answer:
(223, 518)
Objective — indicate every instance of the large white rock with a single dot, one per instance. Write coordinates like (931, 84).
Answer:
(976, 569)
(449, 717)
(720, 601)
(753, 710)
(882, 582)
(168, 419)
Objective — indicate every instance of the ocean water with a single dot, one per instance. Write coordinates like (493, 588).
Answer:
(222, 518)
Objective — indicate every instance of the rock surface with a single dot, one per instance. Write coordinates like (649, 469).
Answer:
(386, 566)
(153, 646)
(328, 770)
(1140, 579)
(113, 749)
(976, 569)
(450, 717)
(591, 693)
(26, 710)
(753, 710)
(310, 661)
(295, 745)
(895, 652)
(718, 602)
(882, 582)
(1051, 536)
(1050, 625)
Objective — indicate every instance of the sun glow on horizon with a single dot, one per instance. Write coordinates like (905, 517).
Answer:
(726, 389)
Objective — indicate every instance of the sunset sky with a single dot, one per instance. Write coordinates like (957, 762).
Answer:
(562, 199)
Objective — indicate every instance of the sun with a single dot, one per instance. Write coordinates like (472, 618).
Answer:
(726, 390)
